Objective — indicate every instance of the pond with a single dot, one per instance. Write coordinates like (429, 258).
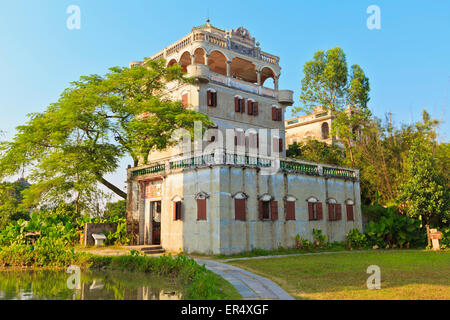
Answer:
(90, 285)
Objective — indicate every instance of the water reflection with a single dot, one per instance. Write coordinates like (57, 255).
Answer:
(94, 285)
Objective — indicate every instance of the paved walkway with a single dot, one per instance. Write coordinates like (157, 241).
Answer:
(249, 285)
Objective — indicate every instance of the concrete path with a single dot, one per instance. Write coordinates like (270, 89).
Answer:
(249, 285)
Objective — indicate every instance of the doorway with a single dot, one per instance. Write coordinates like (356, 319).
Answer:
(155, 214)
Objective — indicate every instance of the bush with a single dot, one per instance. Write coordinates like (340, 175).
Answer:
(395, 229)
(356, 239)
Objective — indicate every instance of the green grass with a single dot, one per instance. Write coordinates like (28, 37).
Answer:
(405, 274)
(262, 252)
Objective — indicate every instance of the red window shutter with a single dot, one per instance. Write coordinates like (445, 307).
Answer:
(201, 209)
(249, 107)
(175, 210)
(236, 105)
(330, 212)
(274, 114)
(311, 210)
(290, 210)
(239, 209)
(255, 108)
(214, 96)
(257, 140)
(242, 103)
(319, 211)
(279, 115)
(338, 212)
(274, 209)
(350, 212)
(261, 206)
(280, 145)
(235, 140)
(184, 100)
(209, 98)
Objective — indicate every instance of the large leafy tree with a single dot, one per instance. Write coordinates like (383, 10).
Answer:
(316, 151)
(327, 83)
(67, 149)
(425, 192)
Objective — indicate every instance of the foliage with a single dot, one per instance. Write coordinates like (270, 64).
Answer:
(116, 209)
(79, 139)
(320, 240)
(425, 194)
(395, 229)
(10, 202)
(445, 241)
(120, 236)
(356, 239)
(316, 151)
(201, 283)
(328, 84)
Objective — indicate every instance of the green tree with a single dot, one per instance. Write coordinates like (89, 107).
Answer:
(73, 144)
(10, 202)
(425, 192)
(327, 83)
(316, 151)
(115, 209)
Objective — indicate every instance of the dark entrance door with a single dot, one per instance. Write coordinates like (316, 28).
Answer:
(156, 222)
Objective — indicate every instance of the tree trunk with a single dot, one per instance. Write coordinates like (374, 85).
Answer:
(350, 151)
(428, 234)
(112, 187)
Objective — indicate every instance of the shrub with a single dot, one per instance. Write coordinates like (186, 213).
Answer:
(356, 239)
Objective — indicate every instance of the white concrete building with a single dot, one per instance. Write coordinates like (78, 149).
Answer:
(230, 200)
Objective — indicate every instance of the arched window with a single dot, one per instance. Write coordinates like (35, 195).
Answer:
(217, 62)
(240, 206)
(325, 130)
(290, 207)
(314, 209)
(201, 198)
(176, 203)
(268, 208)
(349, 208)
(185, 61)
(334, 210)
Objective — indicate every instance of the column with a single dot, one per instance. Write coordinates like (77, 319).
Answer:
(258, 76)
(228, 68)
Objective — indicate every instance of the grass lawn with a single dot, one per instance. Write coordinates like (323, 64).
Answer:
(405, 274)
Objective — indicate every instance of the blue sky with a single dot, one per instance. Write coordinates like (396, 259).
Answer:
(407, 61)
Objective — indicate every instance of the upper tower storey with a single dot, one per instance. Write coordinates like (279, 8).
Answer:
(232, 58)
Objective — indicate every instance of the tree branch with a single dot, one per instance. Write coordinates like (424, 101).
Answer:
(112, 187)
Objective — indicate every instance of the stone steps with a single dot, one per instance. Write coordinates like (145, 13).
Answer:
(153, 249)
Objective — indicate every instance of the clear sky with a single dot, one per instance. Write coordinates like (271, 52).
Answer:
(407, 60)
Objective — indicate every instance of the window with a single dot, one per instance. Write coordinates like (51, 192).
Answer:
(334, 210)
(290, 208)
(201, 209)
(349, 209)
(185, 100)
(325, 130)
(239, 104)
(211, 98)
(177, 210)
(314, 209)
(268, 209)
(277, 144)
(252, 108)
(277, 114)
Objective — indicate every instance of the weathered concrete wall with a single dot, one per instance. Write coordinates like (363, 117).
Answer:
(221, 233)
(91, 228)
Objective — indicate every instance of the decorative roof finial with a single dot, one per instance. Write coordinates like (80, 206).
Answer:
(207, 21)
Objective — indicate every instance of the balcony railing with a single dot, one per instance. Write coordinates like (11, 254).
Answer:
(289, 165)
(242, 85)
